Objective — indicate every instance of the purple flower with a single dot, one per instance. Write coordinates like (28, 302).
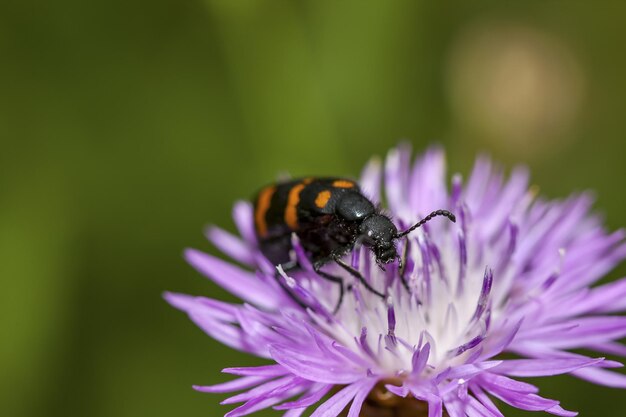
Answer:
(514, 275)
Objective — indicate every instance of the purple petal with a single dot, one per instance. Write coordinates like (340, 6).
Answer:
(477, 181)
(364, 345)
(455, 409)
(262, 402)
(396, 176)
(181, 301)
(427, 190)
(391, 320)
(492, 381)
(457, 189)
(231, 245)
(485, 400)
(318, 371)
(268, 389)
(234, 385)
(511, 193)
(217, 310)
(484, 295)
(295, 412)
(243, 216)
(306, 400)
(542, 367)
(540, 331)
(351, 356)
(521, 399)
(475, 341)
(401, 391)
(607, 298)
(588, 330)
(530, 402)
(602, 377)
(226, 333)
(475, 408)
(612, 348)
(241, 283)
(322, 341)
(370, 179)
(557, 410)
(359, 398)
(335, 404)
(435, 407)
(420, 358)
(467, 371)
(498, 344)
(462, 262)
(303, 260)
(266, 371)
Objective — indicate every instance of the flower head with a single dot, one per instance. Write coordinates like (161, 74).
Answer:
(512, 275)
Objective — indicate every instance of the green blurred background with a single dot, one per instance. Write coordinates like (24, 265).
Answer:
(126, 126)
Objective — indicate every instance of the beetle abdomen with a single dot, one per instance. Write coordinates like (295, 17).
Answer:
(306, 206)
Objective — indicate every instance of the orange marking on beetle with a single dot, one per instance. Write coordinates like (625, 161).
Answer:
(343, 184)
(322, 198)
(263, 204)
(291, 210)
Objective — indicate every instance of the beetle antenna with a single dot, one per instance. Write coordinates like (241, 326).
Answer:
(426, 219)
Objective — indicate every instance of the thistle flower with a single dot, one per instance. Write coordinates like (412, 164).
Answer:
(513, 275)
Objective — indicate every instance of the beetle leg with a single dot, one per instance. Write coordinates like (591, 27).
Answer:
(356, 274)
(402, 261)
(317, 266)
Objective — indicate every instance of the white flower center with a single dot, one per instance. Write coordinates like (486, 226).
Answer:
(445, 280)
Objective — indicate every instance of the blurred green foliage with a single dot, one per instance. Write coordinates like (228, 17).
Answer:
(128, 125)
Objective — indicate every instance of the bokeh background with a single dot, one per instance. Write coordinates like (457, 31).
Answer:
(127, 126)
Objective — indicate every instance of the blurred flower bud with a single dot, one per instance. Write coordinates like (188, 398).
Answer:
(515, 86)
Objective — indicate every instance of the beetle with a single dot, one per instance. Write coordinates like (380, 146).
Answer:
(330, 216)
